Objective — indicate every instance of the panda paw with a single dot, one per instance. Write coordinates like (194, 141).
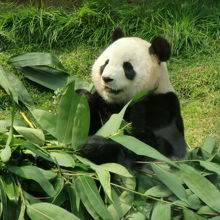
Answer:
(100, 150)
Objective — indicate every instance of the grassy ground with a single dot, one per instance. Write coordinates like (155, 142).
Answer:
(76, 37)
(197, 84)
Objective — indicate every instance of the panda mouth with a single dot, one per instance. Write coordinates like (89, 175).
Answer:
(113, 91)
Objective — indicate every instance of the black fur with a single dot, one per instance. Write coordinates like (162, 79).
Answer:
(156, 120)
(129, 70)
(117, 34)
(161, 48)
(103, 67)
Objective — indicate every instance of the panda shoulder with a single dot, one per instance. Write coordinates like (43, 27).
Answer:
(174, 101)
(164, 101)
(168, 100)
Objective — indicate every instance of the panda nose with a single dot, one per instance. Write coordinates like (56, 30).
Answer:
(107, 79)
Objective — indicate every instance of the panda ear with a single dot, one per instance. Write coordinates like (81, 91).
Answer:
(161, 48)
(117, 34)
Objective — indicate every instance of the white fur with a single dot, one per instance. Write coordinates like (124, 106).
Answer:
(150, 73)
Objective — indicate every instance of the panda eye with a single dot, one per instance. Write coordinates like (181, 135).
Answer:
(129, 71)
(103, 67)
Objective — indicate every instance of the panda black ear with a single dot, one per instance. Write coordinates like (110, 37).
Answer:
(117, 34)
(161, 48)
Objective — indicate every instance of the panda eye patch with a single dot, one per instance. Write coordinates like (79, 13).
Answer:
(129, 71)
(103, 67)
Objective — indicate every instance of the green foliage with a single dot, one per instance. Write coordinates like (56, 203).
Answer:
(44, 177)
(190, 25)
(12, 85)
(47, 211)
(77, 32)
(35, 67)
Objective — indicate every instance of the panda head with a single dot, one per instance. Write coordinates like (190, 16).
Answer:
(129, 66)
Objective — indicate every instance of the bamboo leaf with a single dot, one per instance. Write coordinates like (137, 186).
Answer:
(194, 201)
(161, 211)
(46, 120)
(11, 188)
(123, 203)
(6, 123)
(4, 202)
(87, 162)
(141, 95)
(59, 194)
(83, 197)
(209, 145)
(66, 113)
(63, 159)
(35, 136)
(46, 76)
(1, 205)
(88, 192)
(104, 178)
(47, 211)
(113, 124)
(116, 168)
(5, 154)
(81, 124)
(13, 86)
(36, 174)
(80, 83)
(141, 148)
(196, 182)
(73, 197)
(158, 191)
(172, 182)
(214, 167)
(119, 207)
(103, 175)
(22, 211)
(35, 59)
(137, 216)
(205, 209)
(215, 218)
(39, 151)
(190, 215)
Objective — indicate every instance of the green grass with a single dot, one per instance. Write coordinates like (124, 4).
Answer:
(78, 35)
(191, 26)
(197, 84)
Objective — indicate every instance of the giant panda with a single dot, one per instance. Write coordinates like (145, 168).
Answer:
(129, 66)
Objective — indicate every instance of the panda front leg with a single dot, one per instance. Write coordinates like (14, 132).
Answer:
(102, 150)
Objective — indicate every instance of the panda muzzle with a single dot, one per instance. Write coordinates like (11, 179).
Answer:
(110, 90)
